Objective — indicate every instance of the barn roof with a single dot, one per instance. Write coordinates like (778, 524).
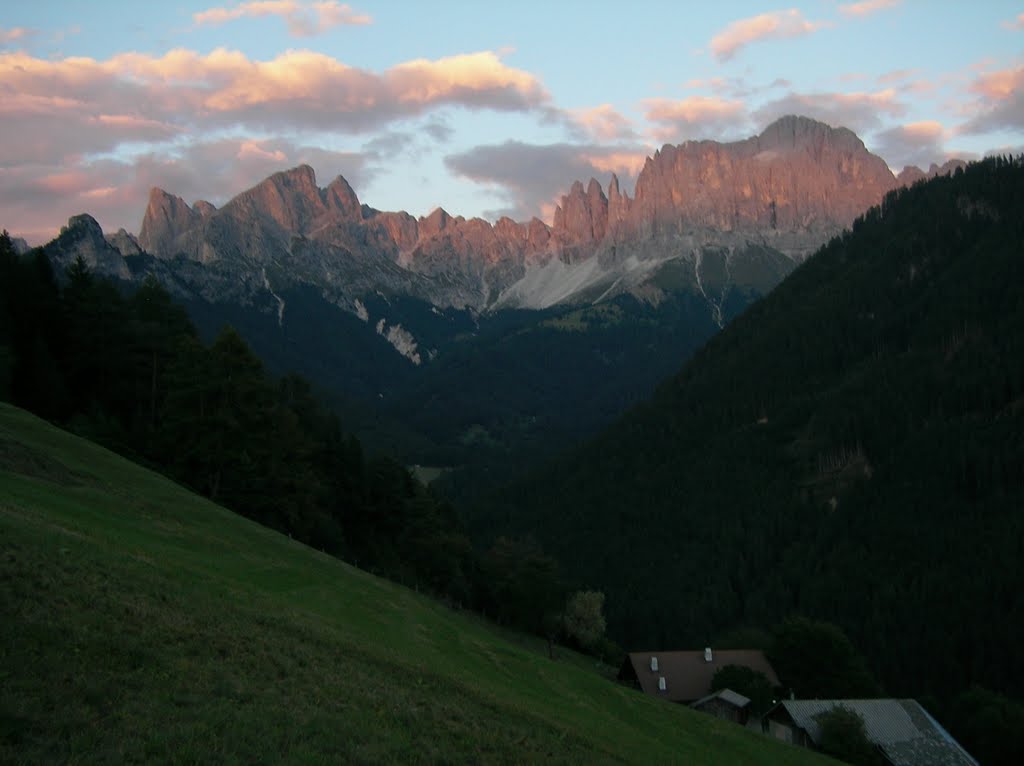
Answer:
(688, 675)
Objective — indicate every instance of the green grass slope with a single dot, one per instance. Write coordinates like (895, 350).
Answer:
(141, 623)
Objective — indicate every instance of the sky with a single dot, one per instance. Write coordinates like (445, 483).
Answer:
(485, 111)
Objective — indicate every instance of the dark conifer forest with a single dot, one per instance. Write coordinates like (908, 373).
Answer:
(851, 448)
(130, 372)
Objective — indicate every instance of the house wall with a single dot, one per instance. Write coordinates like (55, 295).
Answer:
(782, 731)
(720, 709)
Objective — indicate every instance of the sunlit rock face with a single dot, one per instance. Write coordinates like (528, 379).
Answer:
(797, 176)
(730, 215)
(83, 238)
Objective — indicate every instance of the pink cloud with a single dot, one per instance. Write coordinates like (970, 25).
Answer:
(81, 115)
(1017, 23)
(894, 76)
(304, 19)
(8, 36)
(999, 101)
(767, 26)
(859, 111)
(604, 123)
(154, 97)
(906, 81)
(867, 7)
(717, 84)
(916, 143)
(1001, 85)
(693, 116)
(625, 164)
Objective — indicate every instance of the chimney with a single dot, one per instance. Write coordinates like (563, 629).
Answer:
(707, 654)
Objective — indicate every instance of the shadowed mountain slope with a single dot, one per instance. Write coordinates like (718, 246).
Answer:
(851, 447)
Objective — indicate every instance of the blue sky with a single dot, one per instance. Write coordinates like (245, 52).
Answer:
(487, 112)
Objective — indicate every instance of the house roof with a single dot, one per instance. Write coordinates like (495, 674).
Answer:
(903, 729)
(726, 695)
(688, 676)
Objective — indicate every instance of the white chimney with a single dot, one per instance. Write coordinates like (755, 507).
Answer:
(707, 654)
(654, 664)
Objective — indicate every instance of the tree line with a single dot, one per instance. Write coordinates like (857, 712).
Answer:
(126, 368)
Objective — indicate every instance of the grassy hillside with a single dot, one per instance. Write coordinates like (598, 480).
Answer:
(144, 624)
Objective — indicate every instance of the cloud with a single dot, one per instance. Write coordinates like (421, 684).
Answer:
(999, 101)
(1017, 23)
(604, 123)
(774, 25)
(895, 76)
(735, 87)
(532, 176)
(130, 122)
(858, 111)
(916, 143)
(36, 199)
(10, 35)
(867, 7)
(13, 35)
(693, 117)
(183, 91)
(304, 19)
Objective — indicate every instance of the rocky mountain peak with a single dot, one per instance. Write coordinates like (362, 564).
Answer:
(798, 177)
(911, 174)
(339, 196)
(165, 218)
(83, 237)
(204, 209)
(582, 216)
(82, 226)
(20, 245)
(796, 132)
(290, 198)
(300, 177)
(124, 242)
(434, 223)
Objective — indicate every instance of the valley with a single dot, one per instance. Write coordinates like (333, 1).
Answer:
(763, 428)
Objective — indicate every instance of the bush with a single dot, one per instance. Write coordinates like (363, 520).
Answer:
(843, 737)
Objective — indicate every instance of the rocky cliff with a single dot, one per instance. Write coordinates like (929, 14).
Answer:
(730, 215)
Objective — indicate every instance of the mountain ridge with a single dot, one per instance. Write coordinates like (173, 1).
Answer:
(789, 189)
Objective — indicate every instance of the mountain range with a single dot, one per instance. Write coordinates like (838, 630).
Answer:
(703, 203)
(386, 308)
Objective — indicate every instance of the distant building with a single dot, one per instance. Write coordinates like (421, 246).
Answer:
(725, 704)
(902, 730)
(685, 677)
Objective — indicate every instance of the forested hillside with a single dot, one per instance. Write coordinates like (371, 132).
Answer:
(131, 373)
(851, 448)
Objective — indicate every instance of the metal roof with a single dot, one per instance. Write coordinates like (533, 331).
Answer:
(903, 729)
(728, 695)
